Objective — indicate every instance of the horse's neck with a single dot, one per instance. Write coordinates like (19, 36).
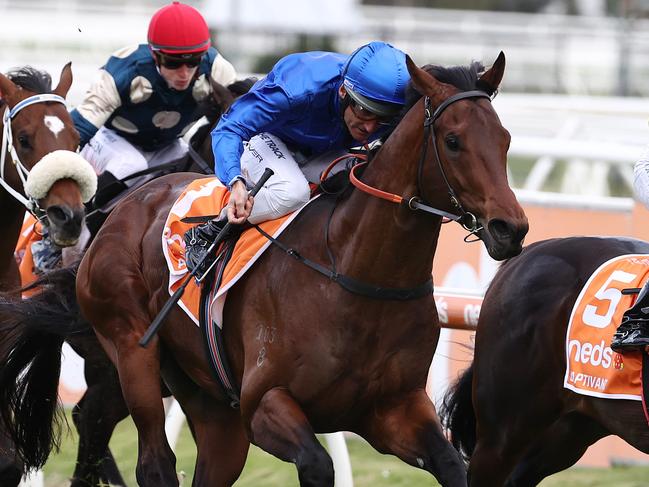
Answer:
(385, 242)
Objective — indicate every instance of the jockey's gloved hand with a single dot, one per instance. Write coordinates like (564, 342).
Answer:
(240, 204)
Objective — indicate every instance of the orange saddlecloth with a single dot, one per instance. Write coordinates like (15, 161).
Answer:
(207, 196)
(593, 368)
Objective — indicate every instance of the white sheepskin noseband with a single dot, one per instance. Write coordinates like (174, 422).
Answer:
(61, 164)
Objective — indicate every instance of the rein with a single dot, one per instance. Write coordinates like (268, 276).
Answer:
(350, 284)
(466, 219)
(7, 146)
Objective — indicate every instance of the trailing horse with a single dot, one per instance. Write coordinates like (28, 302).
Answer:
(39, 172)
(509, 413)
(307, 354)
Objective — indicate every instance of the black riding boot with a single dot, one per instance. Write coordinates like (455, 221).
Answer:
(633, 333)
(197, 241)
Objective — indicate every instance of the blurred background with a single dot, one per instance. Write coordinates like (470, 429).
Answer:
(575, 97)
(576, 69)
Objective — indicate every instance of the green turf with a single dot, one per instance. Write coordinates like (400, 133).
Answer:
(370, 469)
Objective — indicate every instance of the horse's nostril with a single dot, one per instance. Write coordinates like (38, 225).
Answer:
(59, 215)
(500, 229)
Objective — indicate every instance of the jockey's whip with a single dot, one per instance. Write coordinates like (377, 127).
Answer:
(159, 319)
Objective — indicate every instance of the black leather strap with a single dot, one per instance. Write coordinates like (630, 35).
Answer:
(352, 285)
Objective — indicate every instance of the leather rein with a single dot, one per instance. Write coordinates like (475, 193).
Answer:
(466, 219)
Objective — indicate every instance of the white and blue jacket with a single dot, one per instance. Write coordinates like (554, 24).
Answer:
(133, 99)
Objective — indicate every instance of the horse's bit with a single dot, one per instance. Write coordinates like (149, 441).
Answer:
(7, 145)
(467, 219)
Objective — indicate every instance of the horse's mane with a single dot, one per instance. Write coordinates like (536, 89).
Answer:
(464, 78)
(210, 110)
(31, 79)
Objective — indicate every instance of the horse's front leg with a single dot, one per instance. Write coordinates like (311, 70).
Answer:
(409, 428)
(139, 374)
(279, 426)
(119, 330)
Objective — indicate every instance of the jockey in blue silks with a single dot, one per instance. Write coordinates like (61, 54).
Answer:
(310, 104)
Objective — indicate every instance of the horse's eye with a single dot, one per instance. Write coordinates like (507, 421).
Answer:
(452, 142)
(23, 140)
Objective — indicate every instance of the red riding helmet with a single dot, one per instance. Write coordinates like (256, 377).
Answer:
(178, 29)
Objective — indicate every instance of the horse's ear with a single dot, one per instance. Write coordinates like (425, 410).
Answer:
(418, 76)
(65, 82)
(426, 83)
(490, 79)
(221, 95)
(7, 88)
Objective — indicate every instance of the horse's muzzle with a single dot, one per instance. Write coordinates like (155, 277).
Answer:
(65, 224)
(504, 239)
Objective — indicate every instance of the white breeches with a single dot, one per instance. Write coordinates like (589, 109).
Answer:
(107, 151)
(286, 190)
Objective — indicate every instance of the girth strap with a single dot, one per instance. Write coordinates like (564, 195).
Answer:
(213, 335)
(352, 285)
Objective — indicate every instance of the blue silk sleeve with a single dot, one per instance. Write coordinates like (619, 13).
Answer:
(261, 109)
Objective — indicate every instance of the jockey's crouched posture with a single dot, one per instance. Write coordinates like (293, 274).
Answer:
(311, 107)
(145, 99)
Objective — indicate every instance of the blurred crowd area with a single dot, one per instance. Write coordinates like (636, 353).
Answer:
(575, 94)
(587, 47)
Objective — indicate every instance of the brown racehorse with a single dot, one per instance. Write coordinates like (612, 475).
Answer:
(509, 412)
(308, 355)
(35, 123)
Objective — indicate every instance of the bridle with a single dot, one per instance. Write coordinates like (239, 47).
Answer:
(7, 146)
(467, 219)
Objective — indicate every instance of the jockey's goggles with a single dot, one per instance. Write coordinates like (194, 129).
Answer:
(366, 115)
(175, 62)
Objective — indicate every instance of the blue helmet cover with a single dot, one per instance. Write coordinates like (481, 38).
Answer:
(377, 71)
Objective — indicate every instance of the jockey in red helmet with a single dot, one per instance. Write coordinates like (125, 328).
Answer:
(146, 96)
(178, 38)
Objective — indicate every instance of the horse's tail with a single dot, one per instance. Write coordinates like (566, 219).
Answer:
(458, 416)
(31, 336)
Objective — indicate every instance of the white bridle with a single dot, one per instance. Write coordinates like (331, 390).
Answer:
(74, 167)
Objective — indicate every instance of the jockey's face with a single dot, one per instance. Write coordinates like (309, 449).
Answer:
(360, 123)
(179, 78)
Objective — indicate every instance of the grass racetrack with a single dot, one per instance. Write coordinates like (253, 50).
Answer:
(370, 469)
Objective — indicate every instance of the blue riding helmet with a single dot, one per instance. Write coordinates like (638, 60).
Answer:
(375, 77)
